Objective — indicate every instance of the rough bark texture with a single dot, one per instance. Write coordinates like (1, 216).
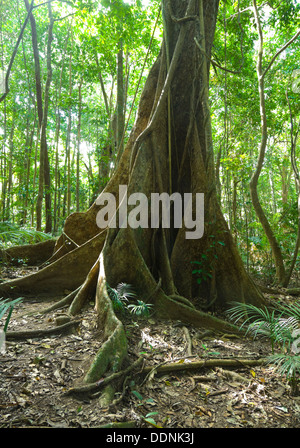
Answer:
(191, 166)
(166, 152)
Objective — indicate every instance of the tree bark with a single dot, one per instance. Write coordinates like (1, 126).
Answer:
(78, 146)
(192, 170)
(44, 174)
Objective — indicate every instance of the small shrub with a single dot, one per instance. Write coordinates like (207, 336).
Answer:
(142, 309)
(282, 328)
(6, 305)
(120, 297)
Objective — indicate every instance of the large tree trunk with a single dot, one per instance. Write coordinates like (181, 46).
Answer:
(189, 167)
(166, 152)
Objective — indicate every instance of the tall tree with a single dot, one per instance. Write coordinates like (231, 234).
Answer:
(44, 173)
(261, 75)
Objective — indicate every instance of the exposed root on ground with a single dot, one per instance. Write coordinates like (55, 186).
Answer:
(66, 273)
(32, 254)
(39, 333)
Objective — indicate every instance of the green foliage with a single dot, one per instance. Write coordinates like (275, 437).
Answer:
(12, 234)
(265, 322)
(288, 365)
(140, 309)
(7, 305)
(120, 297)
(205, 265)
(282, 327)
(149, 419)
(84, 49)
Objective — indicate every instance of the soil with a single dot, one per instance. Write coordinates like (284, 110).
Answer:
(36, 373)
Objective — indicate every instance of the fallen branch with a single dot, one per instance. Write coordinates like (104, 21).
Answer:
(207, 363)
(39, 333)
(284, 291)
(117, 425)
(293, 291)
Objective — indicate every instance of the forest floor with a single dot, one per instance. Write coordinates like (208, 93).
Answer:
(35, 374)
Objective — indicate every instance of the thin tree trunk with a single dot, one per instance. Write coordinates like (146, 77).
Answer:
(56, 205)
(44, 169)
(3, 165)
(279, 264)
(78, 146)
(120, 99)
(28, 166)
(37, 67)
(8, 211)
(297, 180)
(67, 196)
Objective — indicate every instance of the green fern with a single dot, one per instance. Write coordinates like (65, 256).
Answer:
(281, 328)
(288, 365)
(141, 309)
(263, 322)
(120, 295)
(12, 234)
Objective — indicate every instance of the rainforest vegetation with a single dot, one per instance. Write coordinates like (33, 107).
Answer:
(172, 96)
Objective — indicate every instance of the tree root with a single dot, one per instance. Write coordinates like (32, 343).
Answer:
(175, 310)
(293, 291)
(189, 341)
(56, 278)
(114, 349)
(33, 254)
(227, 374)
(286, 291)
(86, 291)
(31, 334)
(63, 302)
(182, 300)
(92, 388)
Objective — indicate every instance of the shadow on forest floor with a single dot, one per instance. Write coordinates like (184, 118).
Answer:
(35, 374)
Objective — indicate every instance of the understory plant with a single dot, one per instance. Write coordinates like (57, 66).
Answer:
(6, 305)
(204, 267)
(282, 327)
(120, 297)
(12, 234)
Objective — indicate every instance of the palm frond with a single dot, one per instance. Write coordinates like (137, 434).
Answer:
(263, 322)
(11, 234)
(251, 314)
(120, 295)
(141, 308)
(125, 290)
(286, 364)
(292, 310)
(8, 304)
